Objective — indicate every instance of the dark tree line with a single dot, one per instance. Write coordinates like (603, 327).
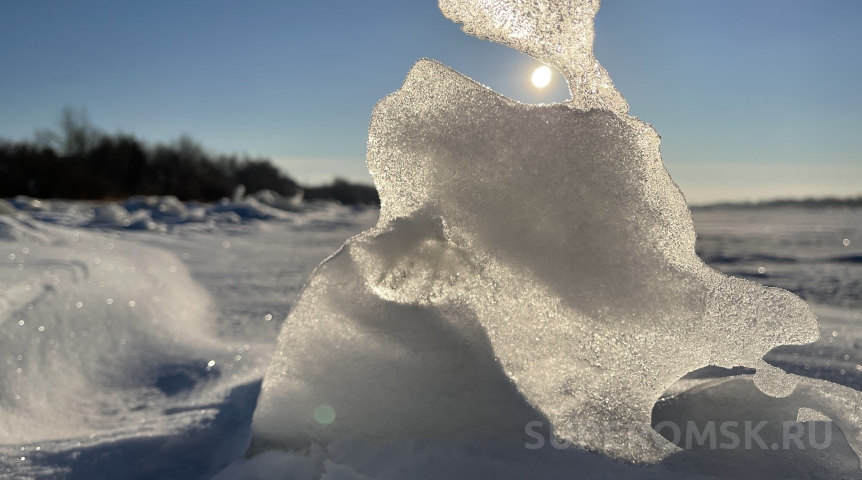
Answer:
(344, 192)
(81, 162)
(849, 202)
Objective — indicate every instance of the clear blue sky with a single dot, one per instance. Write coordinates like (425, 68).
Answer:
(752, 98)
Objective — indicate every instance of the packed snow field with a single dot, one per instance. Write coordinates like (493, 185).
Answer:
(135, 349)
(134, 336)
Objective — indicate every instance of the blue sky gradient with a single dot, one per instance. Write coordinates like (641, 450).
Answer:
(761, 88)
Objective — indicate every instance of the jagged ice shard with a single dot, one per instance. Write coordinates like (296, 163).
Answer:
(530, 262)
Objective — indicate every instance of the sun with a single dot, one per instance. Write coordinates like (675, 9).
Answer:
(542, 77)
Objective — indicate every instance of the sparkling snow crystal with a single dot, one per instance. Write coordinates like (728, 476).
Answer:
(530, 262)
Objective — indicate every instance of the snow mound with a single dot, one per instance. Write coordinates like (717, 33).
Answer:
(249, 208)
(21, 228)
(170, 206)
(99, 337)
(275, 200)
(6, 208)
(23, 202)
(113, 215)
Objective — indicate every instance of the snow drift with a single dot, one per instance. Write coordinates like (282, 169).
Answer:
(104, 341)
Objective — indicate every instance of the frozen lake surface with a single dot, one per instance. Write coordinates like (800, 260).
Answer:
(132, 345)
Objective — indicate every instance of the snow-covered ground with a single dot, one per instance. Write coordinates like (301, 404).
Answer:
(134, 337)
(814, 253)
(137, 352)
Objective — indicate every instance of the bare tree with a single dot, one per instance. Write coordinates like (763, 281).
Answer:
(78, 135)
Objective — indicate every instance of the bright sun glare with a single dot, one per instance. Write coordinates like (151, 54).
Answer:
(542, 77)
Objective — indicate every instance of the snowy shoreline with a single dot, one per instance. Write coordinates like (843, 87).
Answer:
(198, 419)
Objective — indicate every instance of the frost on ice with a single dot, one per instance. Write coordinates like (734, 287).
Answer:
(530, 262)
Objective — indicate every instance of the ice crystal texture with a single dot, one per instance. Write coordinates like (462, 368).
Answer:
(529, 261)
(559, 33)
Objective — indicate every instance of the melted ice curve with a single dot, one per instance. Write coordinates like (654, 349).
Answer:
(546, 245)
